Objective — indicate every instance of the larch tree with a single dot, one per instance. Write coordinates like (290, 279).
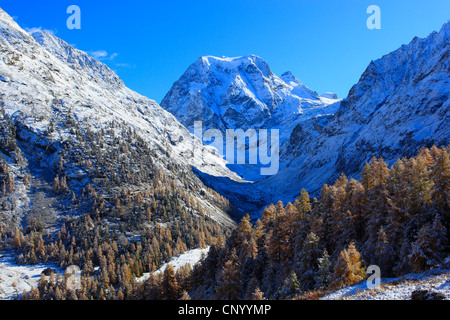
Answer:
(169, 284)
(228, 282)
(349, 267)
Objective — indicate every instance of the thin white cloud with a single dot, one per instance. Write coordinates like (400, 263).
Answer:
(99, 55)
(102, 55)
(124, 65)
(39, 29)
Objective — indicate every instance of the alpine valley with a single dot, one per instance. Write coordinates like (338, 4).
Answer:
(97, 176)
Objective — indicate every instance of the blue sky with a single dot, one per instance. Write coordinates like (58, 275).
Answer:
(324, 43)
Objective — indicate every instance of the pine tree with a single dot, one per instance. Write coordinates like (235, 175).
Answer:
(439, 233)
(423, 255)
(324, 272)
(384, 253)
(427, 250)
(308, 260)
(290, 288)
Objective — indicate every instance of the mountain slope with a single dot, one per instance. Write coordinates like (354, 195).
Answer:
(93, 174)
(400, 104)
(44, 82)
(435, 281)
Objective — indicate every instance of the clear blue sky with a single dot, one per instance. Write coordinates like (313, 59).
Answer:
(150, 44)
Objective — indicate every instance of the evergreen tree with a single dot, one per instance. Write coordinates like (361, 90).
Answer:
(428, 249)
(324, 272)
(290, 288)
(384, 253)
(308, 261)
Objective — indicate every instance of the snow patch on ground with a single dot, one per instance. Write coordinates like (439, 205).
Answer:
(192, 257)
(15, 279)
(399, 288)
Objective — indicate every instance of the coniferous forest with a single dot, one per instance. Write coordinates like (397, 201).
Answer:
(395, 217)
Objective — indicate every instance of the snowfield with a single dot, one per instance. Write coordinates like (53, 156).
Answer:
(399, 288)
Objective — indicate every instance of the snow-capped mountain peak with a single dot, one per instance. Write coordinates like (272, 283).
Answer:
(242, 93)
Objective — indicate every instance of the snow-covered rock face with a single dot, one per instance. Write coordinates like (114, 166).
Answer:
(243, 93)
(78, 60)
(41, 75)
(400, 104)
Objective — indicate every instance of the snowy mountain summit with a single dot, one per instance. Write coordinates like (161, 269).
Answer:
(231, 93)
(243, 93)
(399, 105)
